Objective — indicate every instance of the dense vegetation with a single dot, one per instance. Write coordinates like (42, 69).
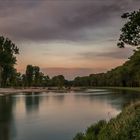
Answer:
(126, 126)
(126, 75)
(129, 73)
(8, 50)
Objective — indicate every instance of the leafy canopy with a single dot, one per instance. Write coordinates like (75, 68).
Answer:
(130, 33)
(8, 50)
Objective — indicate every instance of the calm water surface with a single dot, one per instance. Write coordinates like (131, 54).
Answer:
(58, 116)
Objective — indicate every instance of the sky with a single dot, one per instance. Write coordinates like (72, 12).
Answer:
(69, 37)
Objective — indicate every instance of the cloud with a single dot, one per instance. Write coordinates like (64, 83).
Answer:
(58, 19)
(80, 31)
(124, 53)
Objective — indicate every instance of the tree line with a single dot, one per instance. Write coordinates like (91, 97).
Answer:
(9, 77)
(126, 75)
(129, 73)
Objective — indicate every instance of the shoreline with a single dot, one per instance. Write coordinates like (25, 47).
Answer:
(123, 124)
(123, 88)
(7, 91)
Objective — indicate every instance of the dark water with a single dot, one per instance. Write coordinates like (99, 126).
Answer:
(58, 116)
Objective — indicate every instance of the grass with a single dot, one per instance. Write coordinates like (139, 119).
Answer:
(126, 126)
(122, 88)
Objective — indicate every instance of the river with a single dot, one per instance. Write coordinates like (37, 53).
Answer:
(58, 116)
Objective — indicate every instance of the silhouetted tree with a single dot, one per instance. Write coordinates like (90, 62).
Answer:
(130, 33)
(29, 75)
(8, 50)
(58, 81)
(36, 75)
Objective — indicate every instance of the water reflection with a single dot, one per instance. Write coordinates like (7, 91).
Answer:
(59, 99)
(122, 98)
(41, 115)
(32, 102)
(5, 118)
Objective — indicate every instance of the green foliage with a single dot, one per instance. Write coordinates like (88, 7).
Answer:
(79, 136)
(8, 50)
(37, 75)
(81, 81)
(126, 126)
(33, 76)
(126, 75)
(130, 33)
(29, 75)
(58, 81)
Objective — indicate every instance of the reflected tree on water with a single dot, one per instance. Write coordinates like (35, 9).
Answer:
(32, 102)
(7, 128)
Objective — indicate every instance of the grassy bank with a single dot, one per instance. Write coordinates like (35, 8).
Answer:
(118, 88)
(124, 88)
(126, 126)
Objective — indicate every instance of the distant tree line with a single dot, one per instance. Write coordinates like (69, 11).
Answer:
(126, 75)
(9, 77)
(129, 73)
(33, 77)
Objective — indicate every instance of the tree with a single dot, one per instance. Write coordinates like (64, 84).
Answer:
(24, 81)
(8, 76)
(8, 51)
(130, 33)
(58, 81)
(33, 77)
(40, 79)
(36, 75)
(46, 81)
(29, 75)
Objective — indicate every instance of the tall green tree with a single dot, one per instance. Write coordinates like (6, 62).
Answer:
(36, 75)
(58, 81)
(8, 52)
(130, 33)
(29, 75)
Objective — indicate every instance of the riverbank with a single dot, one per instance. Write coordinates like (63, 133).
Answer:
(126, 126)
(123, 88)
(5, 91)
(21, 90)
(56, 89)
